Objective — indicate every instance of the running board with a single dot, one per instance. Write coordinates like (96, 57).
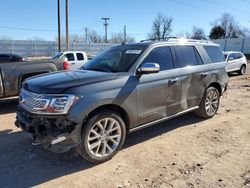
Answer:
(161, 120)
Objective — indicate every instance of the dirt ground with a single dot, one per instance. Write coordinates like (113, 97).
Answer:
(183, 152)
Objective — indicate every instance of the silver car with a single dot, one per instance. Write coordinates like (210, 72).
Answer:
(236, 62)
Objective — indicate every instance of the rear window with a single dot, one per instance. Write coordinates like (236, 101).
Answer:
(187, 56)
(79, 56)
(214, 53)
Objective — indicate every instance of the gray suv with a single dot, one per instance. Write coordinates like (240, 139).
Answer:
(122, 90)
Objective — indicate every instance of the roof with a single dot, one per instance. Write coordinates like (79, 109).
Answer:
(173, 41)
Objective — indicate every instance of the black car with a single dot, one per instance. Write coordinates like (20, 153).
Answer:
(11, 58)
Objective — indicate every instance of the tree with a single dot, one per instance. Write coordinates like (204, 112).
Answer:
(198, 33)
(119, 38)
(162, 27)
(217, 32)
(231, 27)
(94, 37)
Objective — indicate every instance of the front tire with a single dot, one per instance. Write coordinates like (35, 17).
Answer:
(242, 70)
(209, 104)
(102, 137)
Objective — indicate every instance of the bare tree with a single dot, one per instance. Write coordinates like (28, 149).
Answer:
(94, 37)
(230, 25)
(119, 38)
(198, 33)
(162, 26)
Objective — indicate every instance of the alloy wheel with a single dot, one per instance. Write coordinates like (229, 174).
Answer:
(104, 137)
(212, 102)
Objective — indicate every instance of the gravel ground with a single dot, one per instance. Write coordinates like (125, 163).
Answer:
(183, 152)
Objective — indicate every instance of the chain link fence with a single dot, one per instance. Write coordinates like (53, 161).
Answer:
(30, 48)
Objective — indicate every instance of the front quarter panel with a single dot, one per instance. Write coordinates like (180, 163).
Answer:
(120, 92)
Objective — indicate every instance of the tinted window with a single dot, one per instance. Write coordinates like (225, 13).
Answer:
(79, 56)
(214, 53)
(239, 55)
(70, 57)
(162, 56)
(187, 56)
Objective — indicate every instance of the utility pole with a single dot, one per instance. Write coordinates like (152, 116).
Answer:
(59, 25)
(86, 34)
(106, 28)
(67, 25)
(125, 34)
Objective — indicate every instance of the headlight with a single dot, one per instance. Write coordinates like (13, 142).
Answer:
(47, 104)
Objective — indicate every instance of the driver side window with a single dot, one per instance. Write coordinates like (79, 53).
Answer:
(161, 56)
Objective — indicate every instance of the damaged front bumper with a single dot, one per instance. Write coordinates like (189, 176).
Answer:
(56, 133)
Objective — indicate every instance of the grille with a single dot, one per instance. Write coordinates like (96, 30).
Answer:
(31, 101)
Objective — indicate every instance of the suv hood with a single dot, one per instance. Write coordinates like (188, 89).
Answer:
(56, 83)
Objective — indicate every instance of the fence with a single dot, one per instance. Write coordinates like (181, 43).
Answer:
(32, 48)
(238, 44)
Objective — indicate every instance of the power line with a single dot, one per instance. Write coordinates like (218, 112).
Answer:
(223, 5)
(246, 1)
(206, 9)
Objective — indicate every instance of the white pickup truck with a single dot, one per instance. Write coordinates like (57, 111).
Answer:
(71, 59)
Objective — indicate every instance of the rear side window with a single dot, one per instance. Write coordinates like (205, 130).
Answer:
(162, 56)
(214, 53)
(239, 55)
(70, 57)
(79, 56)
(187, 56)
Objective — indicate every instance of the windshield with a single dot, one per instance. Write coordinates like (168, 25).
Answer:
(58, 55)
(115, 59)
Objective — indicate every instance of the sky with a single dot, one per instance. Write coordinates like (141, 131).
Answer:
(29, 19)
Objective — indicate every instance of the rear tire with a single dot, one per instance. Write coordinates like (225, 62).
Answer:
(209, 103)
(102, 136)
(242, 70)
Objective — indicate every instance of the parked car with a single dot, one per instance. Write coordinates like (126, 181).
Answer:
(236, 62)
(12, 74)
(124, 89)
(71, 59)
(11, 58)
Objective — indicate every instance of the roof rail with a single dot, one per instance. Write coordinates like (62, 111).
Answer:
(189, 40)
(158, 39)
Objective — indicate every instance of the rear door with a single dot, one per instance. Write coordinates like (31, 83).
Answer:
(80, 59)
(190, 67)
(159, 94)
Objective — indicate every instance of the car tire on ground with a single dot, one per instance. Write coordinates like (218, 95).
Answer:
(102, 136)
(209, 104)
(242, 70)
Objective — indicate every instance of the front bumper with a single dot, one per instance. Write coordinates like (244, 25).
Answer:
(56, 133)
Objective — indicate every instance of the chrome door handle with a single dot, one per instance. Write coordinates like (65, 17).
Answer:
(172, 81)
(203, 74)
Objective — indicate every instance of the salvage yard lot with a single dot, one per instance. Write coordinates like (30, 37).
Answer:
(183, 152)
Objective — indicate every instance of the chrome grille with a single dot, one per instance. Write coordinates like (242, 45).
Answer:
(31, 101)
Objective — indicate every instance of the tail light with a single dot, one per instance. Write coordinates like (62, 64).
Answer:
(65, 65)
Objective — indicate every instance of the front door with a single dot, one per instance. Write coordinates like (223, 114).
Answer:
(158, 94)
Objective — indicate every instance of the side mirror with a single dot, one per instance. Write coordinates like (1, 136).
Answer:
(230, 58)
(149, 68)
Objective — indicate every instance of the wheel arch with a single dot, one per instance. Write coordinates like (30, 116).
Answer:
(112, 107)
(217, 86)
